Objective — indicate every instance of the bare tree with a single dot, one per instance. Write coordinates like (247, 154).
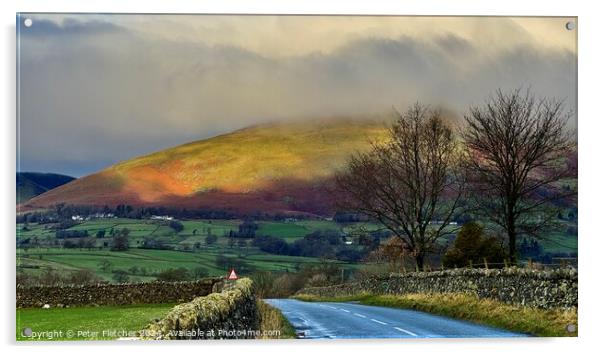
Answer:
(409, 184)
(517, 151)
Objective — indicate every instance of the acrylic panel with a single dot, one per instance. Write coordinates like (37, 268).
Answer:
(184, 176)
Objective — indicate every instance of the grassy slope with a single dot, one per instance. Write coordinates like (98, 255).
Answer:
(65, 260)
(273, 324)
(93, 319)
(37, 260)
(538, 322)
(30, 184)
(247, 160)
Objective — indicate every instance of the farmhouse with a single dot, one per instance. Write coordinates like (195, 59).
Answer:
(161, 217)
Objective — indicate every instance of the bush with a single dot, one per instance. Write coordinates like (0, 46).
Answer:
(245, 230)
(471, 246)
(84, 276)
(120, 276)
(69, 244)
(199, 273)
(271, 244)
(121, 241)
(61, 234)
(176, 225)
(156, 244)
(173, 275)
(228, 263)
(210, 239)
(263, 284)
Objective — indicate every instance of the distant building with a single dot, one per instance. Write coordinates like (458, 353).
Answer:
(100, 216)
(161, 217)
(77, 218)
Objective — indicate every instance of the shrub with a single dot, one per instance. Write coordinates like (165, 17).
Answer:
(227, 263)
(121, 241)
(120, 276)
(176, 225)
(84, 276)
(471, 246)
(173, 275)
(60, 234)
(210, 239)
(263, 284)
(199, 273)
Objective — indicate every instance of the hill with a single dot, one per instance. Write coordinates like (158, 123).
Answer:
(273, 168)
(31, 184)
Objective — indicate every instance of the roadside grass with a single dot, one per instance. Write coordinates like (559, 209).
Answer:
(534, 321)
(273, 325)
(87, 323)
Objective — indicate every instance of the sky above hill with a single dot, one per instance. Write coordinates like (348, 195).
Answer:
(98, 89)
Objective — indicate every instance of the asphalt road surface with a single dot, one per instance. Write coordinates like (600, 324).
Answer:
(351, 320)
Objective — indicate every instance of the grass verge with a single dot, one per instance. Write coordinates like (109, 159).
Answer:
(87, 323)
(273, 324)
(534, 321)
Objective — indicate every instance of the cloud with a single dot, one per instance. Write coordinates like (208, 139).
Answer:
(68, 27)
(112, 90)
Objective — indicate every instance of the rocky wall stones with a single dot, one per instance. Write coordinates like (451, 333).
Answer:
(115, 294)
(543, 289)
(231, 314)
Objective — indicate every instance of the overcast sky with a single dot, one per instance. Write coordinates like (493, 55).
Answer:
(98, 89)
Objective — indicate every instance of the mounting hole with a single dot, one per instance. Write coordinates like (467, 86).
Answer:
(28, 22)
(570, 25)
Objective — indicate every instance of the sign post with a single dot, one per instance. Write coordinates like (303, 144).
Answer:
(232, 275)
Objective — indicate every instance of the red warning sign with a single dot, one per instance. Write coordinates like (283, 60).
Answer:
(232, 275)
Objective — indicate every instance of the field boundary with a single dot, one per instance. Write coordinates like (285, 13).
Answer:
(230, 314)
(516, 286)
(115, 294)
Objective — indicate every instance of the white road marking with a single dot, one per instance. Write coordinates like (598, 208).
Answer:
(345, 310)
(377, 321)
(406, 331)
(332, 307)
(359, 315)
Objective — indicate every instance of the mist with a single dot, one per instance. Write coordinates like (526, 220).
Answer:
(94, 91)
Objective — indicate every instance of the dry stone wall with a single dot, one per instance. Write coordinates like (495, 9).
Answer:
(543, 289)
(230, 314)
(115, 294)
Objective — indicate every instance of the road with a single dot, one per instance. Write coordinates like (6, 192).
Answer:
(352, 320)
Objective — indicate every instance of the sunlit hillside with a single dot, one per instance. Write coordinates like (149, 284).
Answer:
(280, 164)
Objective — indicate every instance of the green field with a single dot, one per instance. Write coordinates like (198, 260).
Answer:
(190, 250)
(188, 247)
(87, 323)
(194, 230)
(153, 261)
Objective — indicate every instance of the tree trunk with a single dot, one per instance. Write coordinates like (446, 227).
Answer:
(420, 261)
(512, 247)
(512, 240)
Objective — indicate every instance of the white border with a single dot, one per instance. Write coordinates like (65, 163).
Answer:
(589, 147)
